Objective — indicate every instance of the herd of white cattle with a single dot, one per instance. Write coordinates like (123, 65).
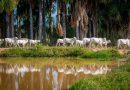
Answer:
(15, 42)
(92, 42)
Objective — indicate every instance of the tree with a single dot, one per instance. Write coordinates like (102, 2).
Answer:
(42, 29)
(8, 6)
(80, 18)
(40, 20)
(31, 18)
(64, 18)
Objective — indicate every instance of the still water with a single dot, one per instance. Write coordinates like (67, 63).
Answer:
(47, 74)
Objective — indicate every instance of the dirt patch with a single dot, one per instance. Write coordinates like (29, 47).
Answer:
(3, 49)
(123, 51)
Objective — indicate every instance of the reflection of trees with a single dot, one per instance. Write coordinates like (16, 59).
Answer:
(28, 77)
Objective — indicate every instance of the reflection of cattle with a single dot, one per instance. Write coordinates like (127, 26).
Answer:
(89, 69)
(92, 69)
(18, 69)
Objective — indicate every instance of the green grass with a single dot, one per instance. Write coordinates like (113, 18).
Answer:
(118, 79)
(40, 51)
(113, 81)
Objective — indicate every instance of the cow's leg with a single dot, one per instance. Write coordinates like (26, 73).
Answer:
(56, 43)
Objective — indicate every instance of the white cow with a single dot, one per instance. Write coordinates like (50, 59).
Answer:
(86, 41)
(79, 42)
(124, 42)
(1, 41)
(70, 41)
(97, 41)
(105, 43)
(59, 42)
(33, 42)
(22, 42)
(10, 41)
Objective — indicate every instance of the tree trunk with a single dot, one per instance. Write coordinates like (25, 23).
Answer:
(19, 30)
(94, 28)
(44, 28)
(64, 19)
(128, 36)
(7, 26)
(51, 23)
(12, 24)
(40, 21)
(0, 33)
(58, 16)
(107, 32)
(31, 22)
(90, 28)
(77, 30)
(50, 16)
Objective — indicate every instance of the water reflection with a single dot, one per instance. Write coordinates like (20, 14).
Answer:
(29, 77)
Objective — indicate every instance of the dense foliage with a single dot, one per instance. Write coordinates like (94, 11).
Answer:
(46, 19)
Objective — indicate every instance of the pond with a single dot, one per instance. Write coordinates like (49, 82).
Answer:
(48, 73)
